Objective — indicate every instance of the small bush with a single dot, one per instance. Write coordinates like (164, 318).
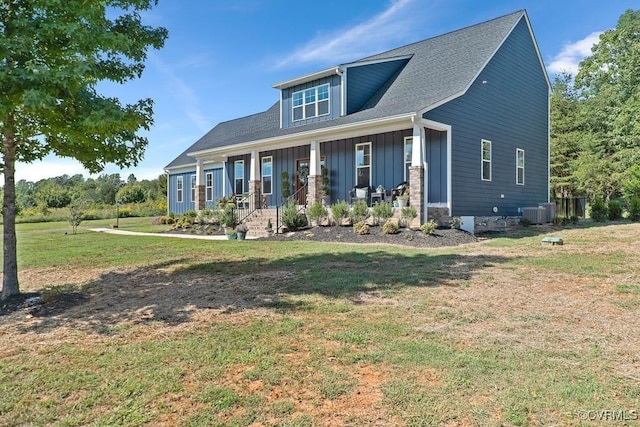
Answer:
(428, 227)
(599, 211)
(455, 222)
(560, 220)
(634, 209)
(339, 211)
(317, 212)
(291, 218)
(361, 228)
(407, 214)
(382, 212)
(227, 217)
(525, 222)
(574, 219)
(359, 212)
(390, 227)
(615, 210)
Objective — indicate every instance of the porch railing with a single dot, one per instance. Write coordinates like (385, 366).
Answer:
(245, 206)
(295, 197)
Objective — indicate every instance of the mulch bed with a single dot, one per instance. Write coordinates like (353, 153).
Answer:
(406, 237)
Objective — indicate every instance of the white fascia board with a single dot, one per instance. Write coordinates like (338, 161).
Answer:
(535, 45)
(206, 164)
(377, 61)
(350, 130)
(307, 78)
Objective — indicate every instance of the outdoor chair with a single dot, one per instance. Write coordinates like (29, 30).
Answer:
(360, 193)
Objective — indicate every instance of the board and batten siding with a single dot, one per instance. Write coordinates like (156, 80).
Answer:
(436, 154)
(387, 162)
(364, 81)
(187, 204)
(229, 181)
(284, 160)
(507, 105)
(218, 183)
(334, 101)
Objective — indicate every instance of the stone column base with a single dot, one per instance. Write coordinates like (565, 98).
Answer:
(314, 189)
(416, 193)
(255, 190)
(200, 198)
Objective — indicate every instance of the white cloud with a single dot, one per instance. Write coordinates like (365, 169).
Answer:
(571, 54)
(374, 35)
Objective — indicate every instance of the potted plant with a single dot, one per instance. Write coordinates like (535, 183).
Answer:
(326, 199)
(228, 221)
(269, 226)
(403, 199)
(286, 186)
(241, 231)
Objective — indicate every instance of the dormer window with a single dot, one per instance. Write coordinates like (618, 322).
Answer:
(312, 102)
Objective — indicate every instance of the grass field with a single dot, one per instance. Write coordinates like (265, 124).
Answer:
(157, 331)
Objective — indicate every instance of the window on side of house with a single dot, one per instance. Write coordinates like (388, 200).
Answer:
(486, 160)
(193, 188)
(267, 173)
(363, 164)
(519, 166)
(238, 177)
(310, 103)
(408, 153)
(179, 189)
(208, 181)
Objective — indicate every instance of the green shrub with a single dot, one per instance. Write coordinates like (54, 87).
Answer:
(407, 214)
(317, 212)
(455, 222)
(339, 211)
(361, 228)
(291, 218)
(634, 209)
(390, 227)
(525, 222)
(574, 219)
(381, 212)
(560, 220)
(428, 227)
(615, 210)
(359, 212)
(599, 211)
(227, 217)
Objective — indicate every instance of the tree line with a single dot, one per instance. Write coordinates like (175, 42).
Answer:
(106, 189)
(595, 120)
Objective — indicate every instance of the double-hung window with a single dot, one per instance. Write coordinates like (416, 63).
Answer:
(408, 153)
(519, 166)
(267, 173)
(363, 164)
(312, 102)
(179, 189)
(238, 177)
(208, 180)
(486, 160)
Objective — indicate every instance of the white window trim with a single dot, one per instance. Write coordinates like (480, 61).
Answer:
(194, 184)
(518, 151)
(356, 160)
(304, 103)
(179, 189)
(404, 154)
(488, 161)
(235, 178)
(262, 174)
(208, 187)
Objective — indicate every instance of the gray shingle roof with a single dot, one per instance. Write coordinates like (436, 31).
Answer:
(439, 68)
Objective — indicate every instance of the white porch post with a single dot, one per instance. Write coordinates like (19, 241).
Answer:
(199, 172)
(255, 179)
(314, 179)
(417, 197)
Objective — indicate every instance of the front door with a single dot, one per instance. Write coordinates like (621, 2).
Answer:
(302, 172)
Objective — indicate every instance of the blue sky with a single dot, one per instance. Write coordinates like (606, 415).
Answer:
(222, 57)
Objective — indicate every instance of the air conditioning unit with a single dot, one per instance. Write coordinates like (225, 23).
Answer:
(551, 210)
(535, 215)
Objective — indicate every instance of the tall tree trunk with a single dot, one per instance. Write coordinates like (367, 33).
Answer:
(10, 262)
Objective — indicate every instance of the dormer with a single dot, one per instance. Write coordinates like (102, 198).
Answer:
(336, 91)
(311, 98)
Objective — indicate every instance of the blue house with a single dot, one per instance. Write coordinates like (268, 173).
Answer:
(462, 117)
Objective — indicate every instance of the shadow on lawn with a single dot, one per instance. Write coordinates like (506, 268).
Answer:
(173, 292)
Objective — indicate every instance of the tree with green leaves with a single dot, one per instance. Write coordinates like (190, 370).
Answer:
(609, 85)
(53, 55)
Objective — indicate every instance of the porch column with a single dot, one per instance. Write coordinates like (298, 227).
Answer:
(314, 179)
(255, 183)
(200, 196)
(416, 175)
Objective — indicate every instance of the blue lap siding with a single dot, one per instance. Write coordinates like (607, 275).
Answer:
(507, 105)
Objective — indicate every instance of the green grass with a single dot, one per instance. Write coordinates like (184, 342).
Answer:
(304, 333)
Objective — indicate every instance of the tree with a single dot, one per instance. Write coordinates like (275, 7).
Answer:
(130, 193)
(53, 55)
(76, 214)
(609, 85)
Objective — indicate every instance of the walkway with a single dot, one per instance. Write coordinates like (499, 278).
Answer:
(176, 235)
